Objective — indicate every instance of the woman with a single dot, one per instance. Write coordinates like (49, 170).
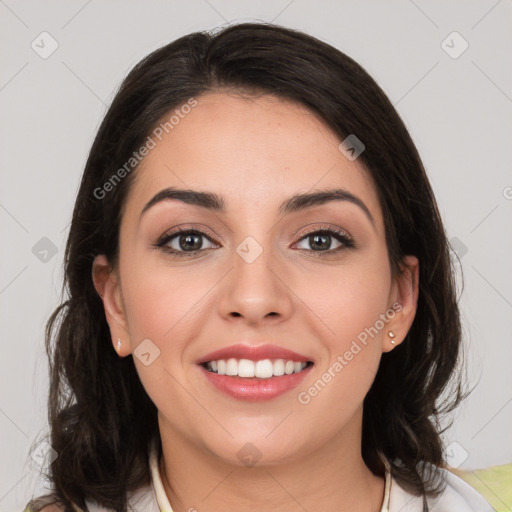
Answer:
(256, 237)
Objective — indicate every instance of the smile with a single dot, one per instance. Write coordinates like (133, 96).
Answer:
(262, 369)
(255, 381)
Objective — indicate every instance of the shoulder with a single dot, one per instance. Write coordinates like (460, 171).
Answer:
(456, 495)
(46, 503)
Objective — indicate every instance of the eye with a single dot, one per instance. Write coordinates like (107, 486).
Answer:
(188, 242)
(183, 242)
(321, 241)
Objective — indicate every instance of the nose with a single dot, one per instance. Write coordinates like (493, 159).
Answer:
(256, 291)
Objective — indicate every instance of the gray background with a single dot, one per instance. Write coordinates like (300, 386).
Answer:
(458, 111)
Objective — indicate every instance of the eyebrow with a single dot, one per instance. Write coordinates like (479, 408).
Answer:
(298, 202)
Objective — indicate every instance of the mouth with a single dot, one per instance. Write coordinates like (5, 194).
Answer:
(261, 369)
(255, 381)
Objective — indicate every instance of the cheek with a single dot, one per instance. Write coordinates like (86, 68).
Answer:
(348, 299)
(353, 311)
(155, 302)
(162, 303)
(350, 317)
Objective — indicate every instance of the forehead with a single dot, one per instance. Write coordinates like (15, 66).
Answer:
(255, 151)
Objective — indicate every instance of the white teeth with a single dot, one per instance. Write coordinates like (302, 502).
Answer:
(232, 367)
(263, 369)
(246, 368)
(279, 367)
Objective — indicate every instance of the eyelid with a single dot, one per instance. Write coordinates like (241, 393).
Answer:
(323, 227)
(312, 228)
(200, 229)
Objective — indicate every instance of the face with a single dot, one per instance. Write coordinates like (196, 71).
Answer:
(313, 278)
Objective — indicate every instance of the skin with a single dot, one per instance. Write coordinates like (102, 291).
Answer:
(256, 152)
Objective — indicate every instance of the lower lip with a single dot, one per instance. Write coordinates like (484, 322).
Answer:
(255, 389)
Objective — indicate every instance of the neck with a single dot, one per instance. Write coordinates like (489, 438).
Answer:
(332, 478)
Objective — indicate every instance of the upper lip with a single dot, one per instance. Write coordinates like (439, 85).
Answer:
(253, 353)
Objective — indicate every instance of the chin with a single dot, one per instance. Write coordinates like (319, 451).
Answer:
(253, 451)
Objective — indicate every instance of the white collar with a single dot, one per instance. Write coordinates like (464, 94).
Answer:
(161, 496)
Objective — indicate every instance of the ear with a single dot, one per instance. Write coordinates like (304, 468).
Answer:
(107, 284)
(404, 301)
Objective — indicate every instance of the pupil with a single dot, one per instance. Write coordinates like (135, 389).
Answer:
(317, 238)
(186, 242)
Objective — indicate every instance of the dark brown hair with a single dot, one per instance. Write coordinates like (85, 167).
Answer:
(101, 419)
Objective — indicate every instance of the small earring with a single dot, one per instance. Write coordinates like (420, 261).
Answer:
(118, 345)
(391, 334)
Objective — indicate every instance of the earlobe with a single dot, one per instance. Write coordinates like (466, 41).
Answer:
(405, 290)
(106, 283)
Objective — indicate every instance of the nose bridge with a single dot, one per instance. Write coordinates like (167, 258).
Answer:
(255, 289)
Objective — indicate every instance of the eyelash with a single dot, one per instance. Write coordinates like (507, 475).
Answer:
(341, 236)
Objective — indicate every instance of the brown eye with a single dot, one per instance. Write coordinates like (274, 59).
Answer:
(190, 242)
(321, 241)
(181, 242)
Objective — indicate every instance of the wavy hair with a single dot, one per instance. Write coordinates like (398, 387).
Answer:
(102, 422)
